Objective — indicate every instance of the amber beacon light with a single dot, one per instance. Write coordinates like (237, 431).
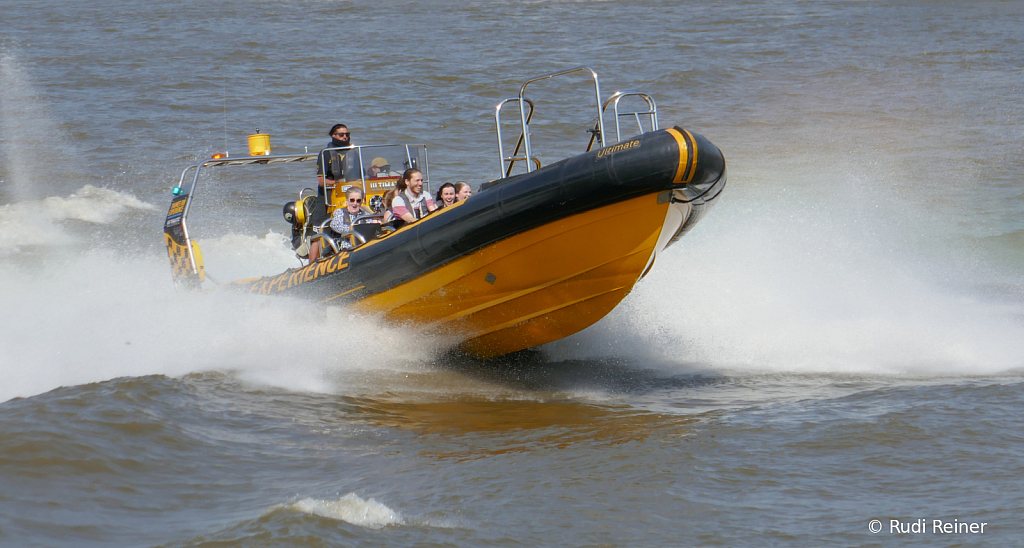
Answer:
(259, 144)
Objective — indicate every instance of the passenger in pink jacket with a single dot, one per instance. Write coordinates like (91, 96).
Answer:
(412, 203)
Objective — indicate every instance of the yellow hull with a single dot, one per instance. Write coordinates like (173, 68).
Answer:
(537, 286)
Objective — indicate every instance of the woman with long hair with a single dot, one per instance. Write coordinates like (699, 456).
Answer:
(462, 191)
(445, 196)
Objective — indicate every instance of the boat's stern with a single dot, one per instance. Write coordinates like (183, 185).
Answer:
(186, 259)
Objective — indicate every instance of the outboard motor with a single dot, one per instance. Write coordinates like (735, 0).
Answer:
(297, 214)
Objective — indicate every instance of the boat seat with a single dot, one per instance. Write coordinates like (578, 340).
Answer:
(318, 211)
(367, 230)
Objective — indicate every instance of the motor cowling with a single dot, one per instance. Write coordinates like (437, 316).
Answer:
(297, 213)
(290, 213)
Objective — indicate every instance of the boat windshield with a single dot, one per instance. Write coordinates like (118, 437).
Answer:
(380, 166)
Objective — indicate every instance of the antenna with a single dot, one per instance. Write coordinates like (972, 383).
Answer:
(263, 106)
(224, 99)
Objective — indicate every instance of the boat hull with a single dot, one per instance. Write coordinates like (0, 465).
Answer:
(535, 287)
(530, 259)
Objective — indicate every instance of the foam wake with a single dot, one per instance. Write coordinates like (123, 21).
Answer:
(101, 314)
(236, 256)
(771, 285)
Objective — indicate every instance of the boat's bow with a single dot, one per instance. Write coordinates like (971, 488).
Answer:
(543, 255)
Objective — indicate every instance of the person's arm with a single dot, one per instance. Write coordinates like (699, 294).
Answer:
(431, 206)
(325, 176)
(328, 179)
(330, 183)
(401, 210)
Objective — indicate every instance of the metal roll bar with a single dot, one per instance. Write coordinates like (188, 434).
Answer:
(525, 119)
(519, 144)
(597, 133)
(652, 110)
(326, 238)
(180, 190)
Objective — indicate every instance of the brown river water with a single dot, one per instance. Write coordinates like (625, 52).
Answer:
(839, 341)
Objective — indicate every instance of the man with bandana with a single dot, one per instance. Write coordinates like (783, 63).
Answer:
(330, 166)
(330, 171)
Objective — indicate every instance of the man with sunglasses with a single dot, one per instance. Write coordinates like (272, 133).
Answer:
(330, 166)
(330, 170)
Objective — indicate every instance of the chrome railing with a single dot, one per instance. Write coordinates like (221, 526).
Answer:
(525, 145)
(281, 159)
(519, 144)
(652, 110)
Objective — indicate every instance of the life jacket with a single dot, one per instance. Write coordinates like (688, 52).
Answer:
(418, 209)
(341, 222)
(333, 162)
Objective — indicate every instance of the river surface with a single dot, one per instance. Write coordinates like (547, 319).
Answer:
(840, 340)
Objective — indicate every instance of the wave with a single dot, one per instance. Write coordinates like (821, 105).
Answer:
(80, 309)
(350, 508)
(297, 522)
(99, 314)
(39, 222)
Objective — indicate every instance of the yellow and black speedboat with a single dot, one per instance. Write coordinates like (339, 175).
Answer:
(530, 258)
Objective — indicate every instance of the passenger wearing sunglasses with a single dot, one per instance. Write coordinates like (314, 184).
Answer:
(341, 222)
(379, 167)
